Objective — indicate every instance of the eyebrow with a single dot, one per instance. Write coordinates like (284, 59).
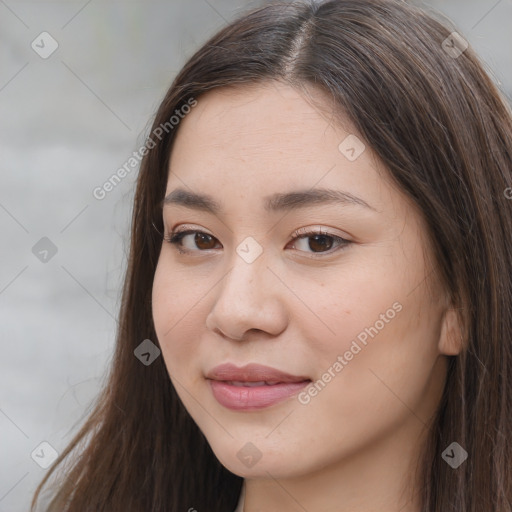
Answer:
(274, 203)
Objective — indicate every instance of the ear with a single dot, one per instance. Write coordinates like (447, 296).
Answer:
(451, 341)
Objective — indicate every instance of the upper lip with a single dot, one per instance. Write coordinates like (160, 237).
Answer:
(252, 373)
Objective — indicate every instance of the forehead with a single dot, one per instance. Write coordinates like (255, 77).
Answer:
(269, 129)
(242, 144)
(264, 119)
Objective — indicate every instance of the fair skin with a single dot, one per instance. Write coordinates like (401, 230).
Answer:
(298, 306)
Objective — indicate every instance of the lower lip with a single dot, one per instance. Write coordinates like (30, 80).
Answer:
(245, 398)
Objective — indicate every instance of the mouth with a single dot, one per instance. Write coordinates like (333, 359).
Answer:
(252, 373)
(253, 386)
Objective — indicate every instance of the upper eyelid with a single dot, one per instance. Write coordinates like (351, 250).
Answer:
(296, 233)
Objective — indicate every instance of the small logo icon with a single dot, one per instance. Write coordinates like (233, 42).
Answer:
(351, 147)
(249, 249)
(454, 45)
(146, 352)
(454, 455)
(44, 45)
(44, 455)
(44, 250)
(249, 455)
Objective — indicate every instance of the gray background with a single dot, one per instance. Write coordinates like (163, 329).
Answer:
(67, 123)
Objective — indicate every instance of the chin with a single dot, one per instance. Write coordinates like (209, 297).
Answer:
(256, 459)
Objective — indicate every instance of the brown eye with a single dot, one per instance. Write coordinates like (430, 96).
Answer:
(204, 241)
(315, 242)
(319, 243)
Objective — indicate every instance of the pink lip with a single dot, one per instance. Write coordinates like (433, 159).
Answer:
(254, 397)
(252, 373)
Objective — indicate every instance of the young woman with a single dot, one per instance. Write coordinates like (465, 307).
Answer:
(317, 312)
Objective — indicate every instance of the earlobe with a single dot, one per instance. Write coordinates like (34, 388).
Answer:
(451, 340)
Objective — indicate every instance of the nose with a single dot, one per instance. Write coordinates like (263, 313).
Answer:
(249, 298)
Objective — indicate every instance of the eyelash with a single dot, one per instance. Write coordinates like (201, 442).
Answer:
(176, 237)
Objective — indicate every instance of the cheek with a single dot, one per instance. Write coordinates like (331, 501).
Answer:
(386, 367)
(354, 306)
(380, 339)
(376, 387)
(176, 305)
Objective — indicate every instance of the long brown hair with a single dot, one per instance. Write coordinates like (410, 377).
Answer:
(444, 132)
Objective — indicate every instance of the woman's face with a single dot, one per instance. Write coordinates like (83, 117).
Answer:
(361, 320)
